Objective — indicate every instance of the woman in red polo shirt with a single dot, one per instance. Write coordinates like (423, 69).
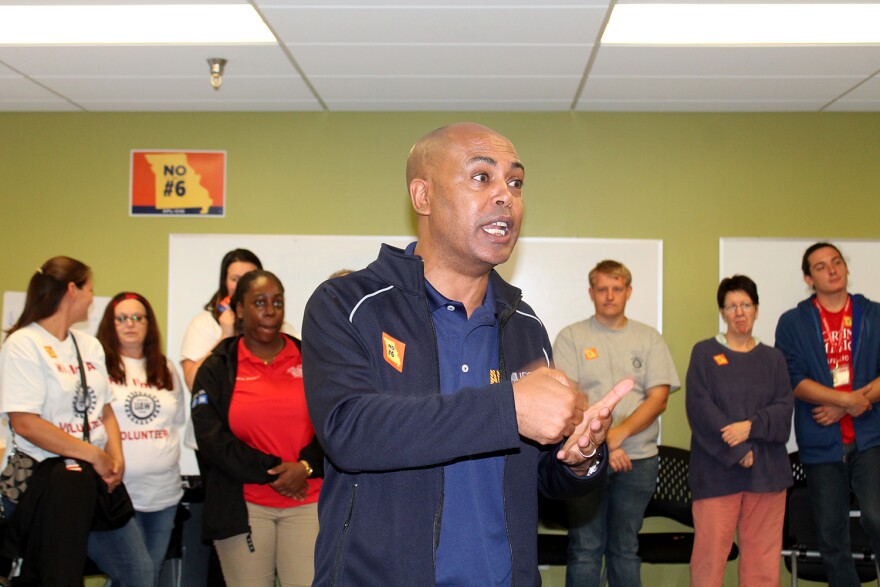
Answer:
(253, 430)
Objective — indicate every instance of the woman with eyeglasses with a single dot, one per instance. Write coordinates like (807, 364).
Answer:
(263, 463)
(56, 394)
(739, 405)
(149, 408)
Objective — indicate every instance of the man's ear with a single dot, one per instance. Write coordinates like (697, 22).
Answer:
(809, 281)
(418, 194)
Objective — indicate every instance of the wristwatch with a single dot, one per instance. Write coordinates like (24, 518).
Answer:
(598, 456)
(309, 469)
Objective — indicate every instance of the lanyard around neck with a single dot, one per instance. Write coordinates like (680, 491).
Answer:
(85, 390)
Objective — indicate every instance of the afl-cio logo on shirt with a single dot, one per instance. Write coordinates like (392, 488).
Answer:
(141, 408)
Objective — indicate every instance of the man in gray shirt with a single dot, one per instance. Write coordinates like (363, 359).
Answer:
(596, 353)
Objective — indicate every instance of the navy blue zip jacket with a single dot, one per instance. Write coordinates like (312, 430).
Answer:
(373, 391)
(799, 337)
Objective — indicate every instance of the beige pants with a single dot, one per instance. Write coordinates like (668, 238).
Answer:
(284, 540)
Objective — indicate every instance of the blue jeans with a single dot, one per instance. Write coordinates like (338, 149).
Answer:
(829, 485)
(607, 522)
(156, 529)
(123, 556)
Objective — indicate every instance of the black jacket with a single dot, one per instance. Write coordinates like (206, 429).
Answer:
(230, 462)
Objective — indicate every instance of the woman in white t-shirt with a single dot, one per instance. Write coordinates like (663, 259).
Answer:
(41, 393)
(149, 406)
(217, 321)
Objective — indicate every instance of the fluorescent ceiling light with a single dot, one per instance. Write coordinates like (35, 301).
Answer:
(132, 25)
(743, 24)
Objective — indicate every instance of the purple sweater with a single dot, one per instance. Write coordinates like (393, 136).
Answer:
(725, 386)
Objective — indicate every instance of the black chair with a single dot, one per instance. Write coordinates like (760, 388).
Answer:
(174, 555)
(552, 548)
(800, 549)
(671, 499)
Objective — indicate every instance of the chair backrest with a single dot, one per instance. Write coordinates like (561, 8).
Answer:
(672, 497)
(798, 474)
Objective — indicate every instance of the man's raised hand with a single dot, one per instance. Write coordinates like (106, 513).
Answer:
(590, 433)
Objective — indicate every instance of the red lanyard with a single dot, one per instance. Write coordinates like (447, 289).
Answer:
(823, 314)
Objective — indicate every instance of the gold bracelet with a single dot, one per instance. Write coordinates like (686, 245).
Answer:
(309, 469)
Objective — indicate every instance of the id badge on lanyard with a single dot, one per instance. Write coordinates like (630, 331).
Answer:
(840, 375)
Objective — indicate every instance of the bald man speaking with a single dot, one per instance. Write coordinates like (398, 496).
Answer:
(430, 385)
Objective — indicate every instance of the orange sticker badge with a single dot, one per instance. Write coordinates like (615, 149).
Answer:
(50, 351)
(720, 359)
(393, 350)
(591, 353)
(847, 321)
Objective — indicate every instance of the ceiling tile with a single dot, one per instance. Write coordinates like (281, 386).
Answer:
(174, 105)
(654, 105)
(439, 89)
(737, 61)
(435, 60)
(854, 106)
(15, 88)
(870, 90)
(182, 88)
(723, 89)
(155, 60)
(481, 24)
(410, 55)
(265, 4)
(446, 105)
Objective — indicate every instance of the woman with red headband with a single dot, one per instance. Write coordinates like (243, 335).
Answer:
(148, 403)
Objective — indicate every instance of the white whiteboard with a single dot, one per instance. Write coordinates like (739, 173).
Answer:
(552, 273)
(774, 264)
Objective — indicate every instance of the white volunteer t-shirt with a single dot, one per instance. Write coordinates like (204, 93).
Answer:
(39, 375)
(149, 420)
(201, 336)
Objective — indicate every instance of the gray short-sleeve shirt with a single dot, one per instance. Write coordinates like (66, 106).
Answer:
(597, 357)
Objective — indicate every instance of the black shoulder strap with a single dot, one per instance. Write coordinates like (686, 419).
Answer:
(85, 390)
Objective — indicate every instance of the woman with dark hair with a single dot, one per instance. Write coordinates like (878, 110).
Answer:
(217, 321)
(214, 324)
(55, 391)
(263, 463)
(147, 398)
(739, 404)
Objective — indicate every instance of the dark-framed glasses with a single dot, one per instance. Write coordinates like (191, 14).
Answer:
(134, 318)
(732, 308)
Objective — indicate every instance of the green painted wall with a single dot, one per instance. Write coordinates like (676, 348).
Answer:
(685, 178)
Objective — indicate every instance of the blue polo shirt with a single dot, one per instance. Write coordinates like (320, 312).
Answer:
(474, 549)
